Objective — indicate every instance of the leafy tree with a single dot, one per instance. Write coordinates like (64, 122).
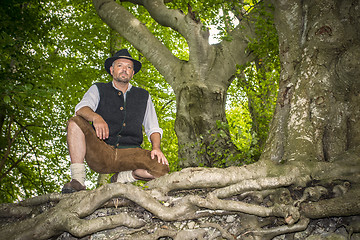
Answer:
(46, 66)
(55, 60)
(25, 84)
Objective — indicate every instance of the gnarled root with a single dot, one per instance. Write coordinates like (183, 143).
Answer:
(261, 190)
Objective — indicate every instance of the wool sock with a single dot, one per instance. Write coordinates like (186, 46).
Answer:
(78, 172)
(125, 177)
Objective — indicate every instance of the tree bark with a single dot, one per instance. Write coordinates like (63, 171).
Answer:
(318, 102)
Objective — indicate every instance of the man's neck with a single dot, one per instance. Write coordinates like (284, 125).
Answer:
(121, 86)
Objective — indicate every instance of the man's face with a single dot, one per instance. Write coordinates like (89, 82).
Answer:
(122, 70)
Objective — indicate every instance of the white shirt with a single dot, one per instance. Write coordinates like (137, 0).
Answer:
(91, 99)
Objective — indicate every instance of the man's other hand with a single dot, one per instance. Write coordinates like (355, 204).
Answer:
(101, 127)
(160, 156)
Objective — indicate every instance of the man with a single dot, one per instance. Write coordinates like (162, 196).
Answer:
(111, 144)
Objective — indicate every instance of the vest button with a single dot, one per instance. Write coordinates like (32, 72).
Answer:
(124, 124)
(117, 144)
(121, 108)
(119, 93)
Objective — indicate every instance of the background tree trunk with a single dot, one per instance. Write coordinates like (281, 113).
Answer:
(200, 102)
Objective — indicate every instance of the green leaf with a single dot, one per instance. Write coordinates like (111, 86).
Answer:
(7, 99)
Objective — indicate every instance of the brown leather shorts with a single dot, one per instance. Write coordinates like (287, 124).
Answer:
(104, 158)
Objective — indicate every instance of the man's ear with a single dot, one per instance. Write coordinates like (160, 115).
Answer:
(111, 70)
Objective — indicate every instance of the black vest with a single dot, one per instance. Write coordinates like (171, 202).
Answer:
(124, 118)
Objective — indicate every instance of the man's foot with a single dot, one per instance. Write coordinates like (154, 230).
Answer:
(73, 186)
(123, 177)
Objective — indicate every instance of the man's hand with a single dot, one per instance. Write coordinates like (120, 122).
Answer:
(160, 156)
(101, 127)
(156, 151)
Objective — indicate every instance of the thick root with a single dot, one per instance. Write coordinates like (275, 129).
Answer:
(260, 190)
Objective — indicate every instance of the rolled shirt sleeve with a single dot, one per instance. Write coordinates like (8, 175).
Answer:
(150, 122)
(90, 99)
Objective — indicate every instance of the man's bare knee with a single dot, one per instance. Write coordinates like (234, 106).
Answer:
(71, 124)
(76, 142)
(73, 127)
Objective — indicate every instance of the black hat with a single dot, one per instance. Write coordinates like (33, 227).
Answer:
(123, 53)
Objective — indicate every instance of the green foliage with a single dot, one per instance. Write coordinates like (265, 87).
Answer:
(216, 155)
(45, 66)
(51, 54)
(240, 130)
(254, 91)
(25, 84)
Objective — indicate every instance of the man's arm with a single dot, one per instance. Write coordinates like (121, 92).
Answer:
(156, 150)
(101, 127)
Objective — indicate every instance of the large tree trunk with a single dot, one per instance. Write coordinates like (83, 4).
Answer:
(318, 105)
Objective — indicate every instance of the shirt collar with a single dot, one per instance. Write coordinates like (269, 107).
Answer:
(128, 89)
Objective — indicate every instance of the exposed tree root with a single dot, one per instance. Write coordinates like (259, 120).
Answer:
(26, 207)
(66, 216)
(346, 205)
(276, 231)
(261, 190)
(173, 234)
(224, 233)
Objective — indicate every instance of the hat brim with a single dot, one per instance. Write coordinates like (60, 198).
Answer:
(110, 60)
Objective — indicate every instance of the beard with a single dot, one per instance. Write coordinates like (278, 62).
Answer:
(122, 78)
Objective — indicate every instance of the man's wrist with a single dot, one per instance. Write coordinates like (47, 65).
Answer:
(156, 148)
(96, 117)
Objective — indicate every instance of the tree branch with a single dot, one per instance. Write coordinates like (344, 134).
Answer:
(3, 175)
(192, 30)
(207, 177)
(240, 37)
(136, 33)
(346, 205)
(167, 17)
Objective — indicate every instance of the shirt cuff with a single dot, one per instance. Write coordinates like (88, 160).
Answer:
(154, 130)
